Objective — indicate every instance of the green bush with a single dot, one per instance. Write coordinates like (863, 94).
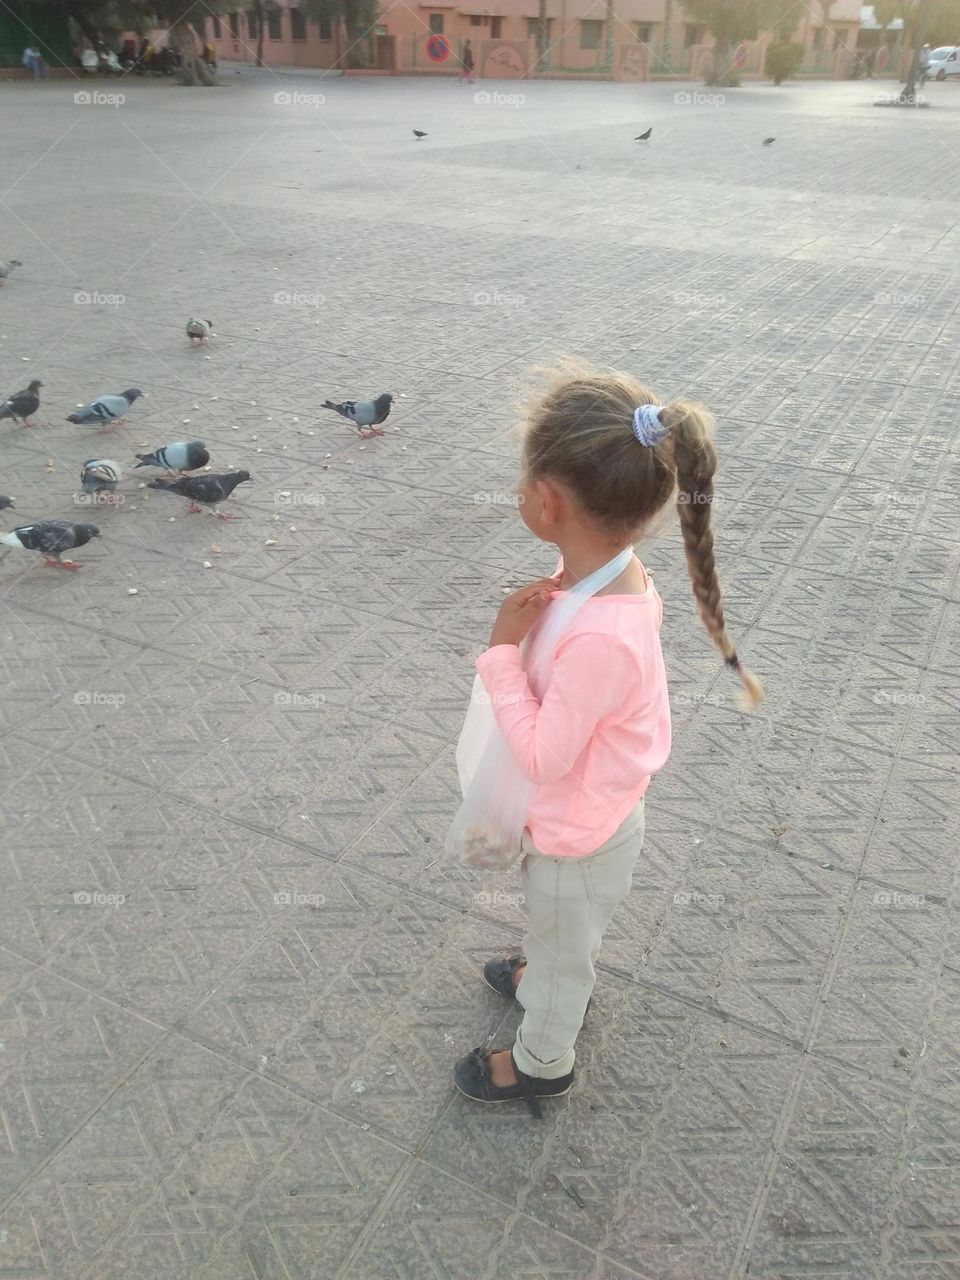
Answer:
(783, 60)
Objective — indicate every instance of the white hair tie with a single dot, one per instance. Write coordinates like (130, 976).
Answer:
(647, 426)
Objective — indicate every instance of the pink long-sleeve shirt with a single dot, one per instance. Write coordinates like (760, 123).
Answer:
(591, 739)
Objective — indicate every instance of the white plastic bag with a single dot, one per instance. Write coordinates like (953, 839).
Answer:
(487, 827)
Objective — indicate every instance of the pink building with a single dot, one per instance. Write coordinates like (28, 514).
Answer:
(638, 39)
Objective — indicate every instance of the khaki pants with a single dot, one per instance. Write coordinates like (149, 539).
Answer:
(569, 903)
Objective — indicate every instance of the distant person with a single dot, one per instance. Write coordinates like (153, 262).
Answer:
(33, 61)
(924, 62)
(210, 56)
(466, 63)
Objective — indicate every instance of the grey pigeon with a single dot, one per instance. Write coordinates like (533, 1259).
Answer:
(7, 267)
(644, 137)
(101, 475)
(52, 537)
(107, 410)
(767, 141)
(208, 490)
(23, 404)
(183, 455)
(199, 330)
(6, 502)
(366, 415)
(419, 133)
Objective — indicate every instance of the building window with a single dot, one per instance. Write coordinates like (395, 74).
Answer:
(590, 31)
(692, 34)
(476, 20)
(275, 24)
(645, 32)
(436, 24)
(533, 29)
(252, 29)
(298, 25)
(215, 24)
(326, 32)
(818, 34)
(235, 25)
(495, 26)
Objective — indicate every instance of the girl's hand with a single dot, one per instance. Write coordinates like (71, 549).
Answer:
(520, 611)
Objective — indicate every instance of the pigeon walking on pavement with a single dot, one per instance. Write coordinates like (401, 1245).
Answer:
(644, 137)
(199, 330)
(22, 405)
(419, 133)
(366, 415)
(206, 490)
(109, 411)
(101, 476)
(181, 456)
(6, 502)
(767, 141)
(52, 538)
(6, 268)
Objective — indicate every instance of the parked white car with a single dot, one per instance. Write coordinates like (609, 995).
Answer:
(944, 62)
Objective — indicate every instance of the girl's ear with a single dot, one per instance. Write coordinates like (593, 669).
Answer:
(551, 503)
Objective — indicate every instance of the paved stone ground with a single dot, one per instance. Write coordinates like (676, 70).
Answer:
(203, 1081)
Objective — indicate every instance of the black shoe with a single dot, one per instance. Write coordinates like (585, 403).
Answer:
(471, 1075)
(498, 975)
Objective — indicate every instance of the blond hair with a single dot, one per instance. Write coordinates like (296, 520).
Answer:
(580, 431)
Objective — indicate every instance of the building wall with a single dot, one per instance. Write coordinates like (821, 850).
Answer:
(578, 34)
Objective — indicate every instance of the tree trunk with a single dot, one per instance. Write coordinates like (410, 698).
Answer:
(608, 42)
(75, 11)
(259, 7)
(720, 72)
(193, 69)
(542, 36)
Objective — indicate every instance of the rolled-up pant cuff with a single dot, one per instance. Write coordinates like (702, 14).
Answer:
(531, 1066)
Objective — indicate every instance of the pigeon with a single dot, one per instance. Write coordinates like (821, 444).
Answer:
(419, 133)
(101, 475)
(51, 537)
(209, 490)
(109, 410)
(767, 141)
(366, 415)
(644, 137)
(183, 455)
(23, 404)
(199, 330)
(7, 267)
(6, 502)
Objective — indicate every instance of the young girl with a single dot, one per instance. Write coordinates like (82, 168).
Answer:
(601, 459)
